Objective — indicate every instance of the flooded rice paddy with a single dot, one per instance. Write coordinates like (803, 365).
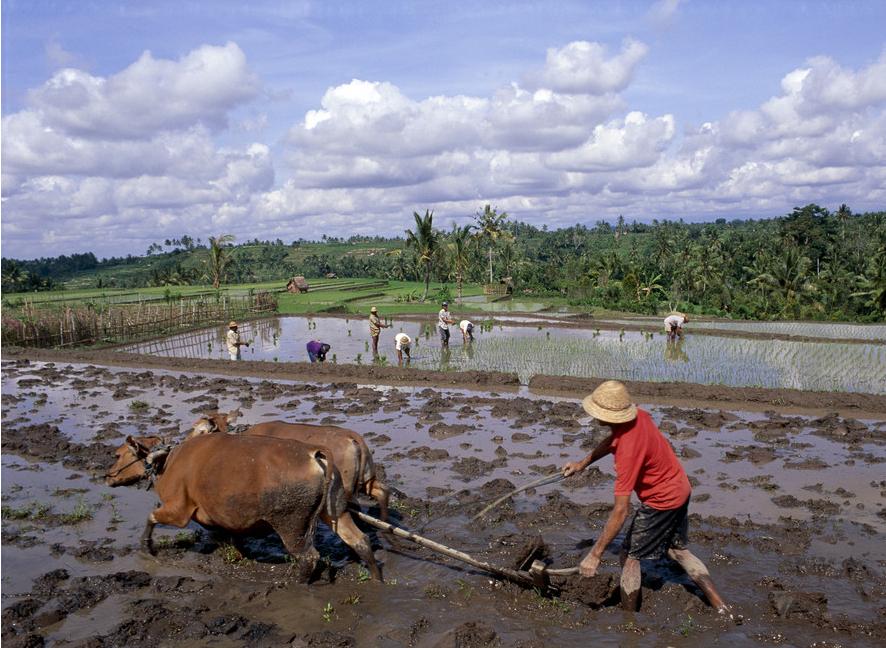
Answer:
(833, 330)
(787, 511)
(583, 352)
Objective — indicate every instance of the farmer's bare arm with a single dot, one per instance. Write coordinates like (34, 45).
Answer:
(589, 564)
(603, 449)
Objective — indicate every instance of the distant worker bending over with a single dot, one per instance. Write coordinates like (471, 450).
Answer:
(234, 342)
(375, 327)
(467, 331)
(674, 325)
(317, 350)
(402, 343)
(444, 319)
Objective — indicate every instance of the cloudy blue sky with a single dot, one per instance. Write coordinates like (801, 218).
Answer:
(126, 123)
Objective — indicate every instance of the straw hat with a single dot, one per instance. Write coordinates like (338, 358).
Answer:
(610, 403)
(373, 310)
(232, 325)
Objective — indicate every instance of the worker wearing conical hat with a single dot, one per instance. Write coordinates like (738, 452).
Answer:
(402, 344)
(645, 464)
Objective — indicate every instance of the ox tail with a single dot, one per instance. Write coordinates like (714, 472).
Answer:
(333, 501)
(366, 472)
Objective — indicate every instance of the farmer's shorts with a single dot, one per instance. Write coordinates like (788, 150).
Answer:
(653, 532)
(444, 335)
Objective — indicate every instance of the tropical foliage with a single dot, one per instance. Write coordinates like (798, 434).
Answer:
(809, 264)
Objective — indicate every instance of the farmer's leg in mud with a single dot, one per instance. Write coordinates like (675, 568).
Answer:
(699, 574)
(630, 584)
(374, 346)
(693, 567)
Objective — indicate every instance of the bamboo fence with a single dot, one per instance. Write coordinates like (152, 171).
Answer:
(87, 324)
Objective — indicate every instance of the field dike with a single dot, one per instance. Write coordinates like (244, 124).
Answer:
(872, 405)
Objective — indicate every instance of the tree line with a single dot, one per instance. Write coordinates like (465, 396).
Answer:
(810, 264)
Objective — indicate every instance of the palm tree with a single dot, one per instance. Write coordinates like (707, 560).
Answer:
(459, 240)
(843, 215)
(489, 229)
(218, 257)
(873, 283)
(426, 243)
(787, 277)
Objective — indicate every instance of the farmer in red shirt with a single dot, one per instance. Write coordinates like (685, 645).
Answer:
(646, 464)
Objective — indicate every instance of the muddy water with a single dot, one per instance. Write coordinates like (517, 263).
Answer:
(788, 512)
(530, 351)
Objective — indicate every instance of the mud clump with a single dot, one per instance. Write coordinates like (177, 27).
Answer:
(47, 443)
(592, 476)
(48, 603)
(473, 634)
(442, 431)
(813, 463)
(846, 430)
(517, 551)
(598, 591)
(323, 639)
(152, 623)
(701, 418)
(812, 606)
(424, 453)
(471, 467)
(754, 454)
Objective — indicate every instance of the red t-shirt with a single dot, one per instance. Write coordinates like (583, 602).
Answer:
(646, 463)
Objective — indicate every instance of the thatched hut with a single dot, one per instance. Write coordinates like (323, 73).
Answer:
(297, 284)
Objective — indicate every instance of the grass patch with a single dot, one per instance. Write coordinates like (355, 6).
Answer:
(230, 555)
(139, 406)
(81, 513)
(31, 511)
(363, 574)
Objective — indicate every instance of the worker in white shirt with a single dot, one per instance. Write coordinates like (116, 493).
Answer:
(444, 318)
(674, 325)
(402, 343)
(467, 331)
(233, 341)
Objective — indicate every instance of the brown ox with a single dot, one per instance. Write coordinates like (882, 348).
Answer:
(245, 484)
(349, 451)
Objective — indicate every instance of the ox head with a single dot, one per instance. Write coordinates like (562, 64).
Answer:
(212, 422)
(131, 458)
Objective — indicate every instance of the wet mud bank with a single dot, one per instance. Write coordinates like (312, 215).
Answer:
(718, 394)
(651, 392)
(788, 512)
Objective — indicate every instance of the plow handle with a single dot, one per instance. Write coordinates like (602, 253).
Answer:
(521, 578)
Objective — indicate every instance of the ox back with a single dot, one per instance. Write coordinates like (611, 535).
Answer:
(242, 483)
(350, 452)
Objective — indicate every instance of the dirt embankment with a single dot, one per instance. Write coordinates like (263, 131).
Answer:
(760, 396)
(863, 405)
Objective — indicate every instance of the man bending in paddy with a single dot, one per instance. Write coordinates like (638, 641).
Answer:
(646, 464)
(317, 350)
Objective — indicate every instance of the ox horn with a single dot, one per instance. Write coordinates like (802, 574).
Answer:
(156, 454)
